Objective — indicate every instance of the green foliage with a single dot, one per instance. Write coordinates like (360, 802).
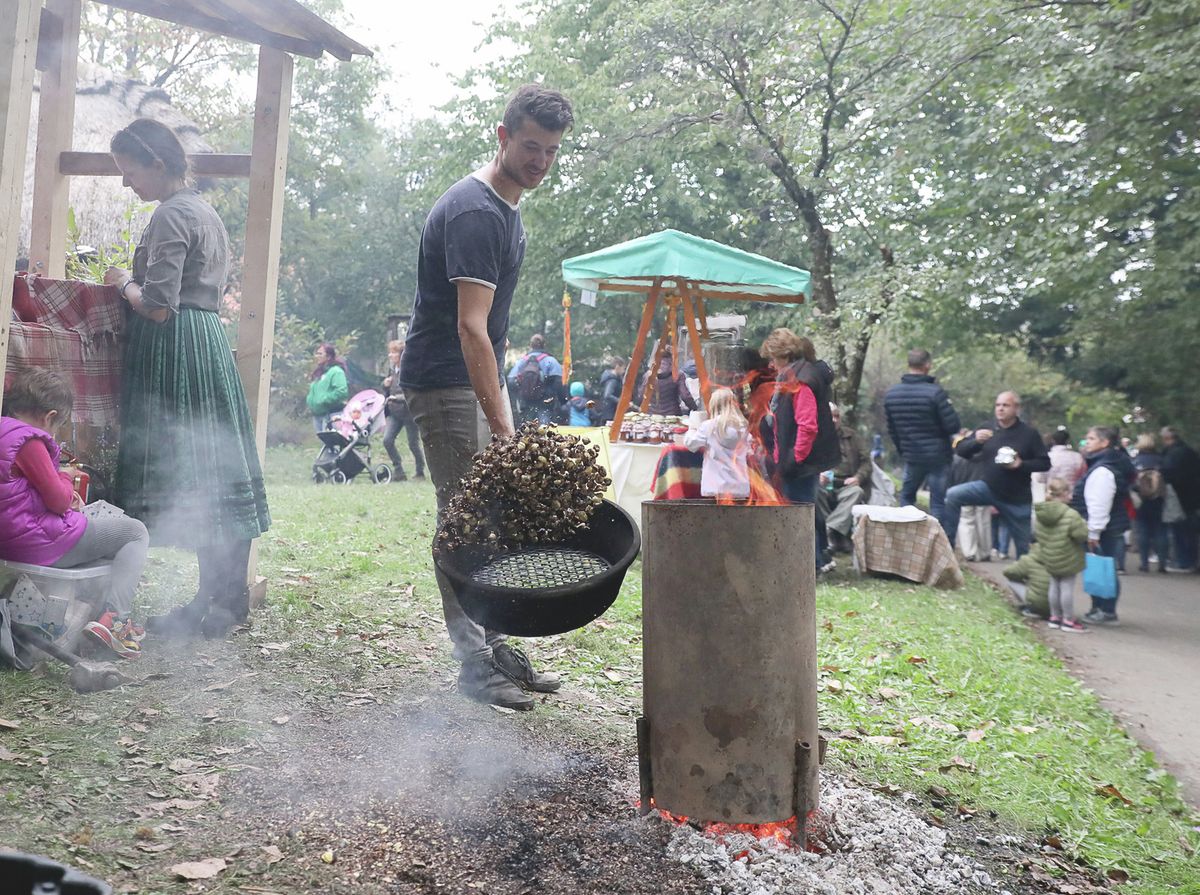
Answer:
(88, 263)
(1063, 191)
(982, 179)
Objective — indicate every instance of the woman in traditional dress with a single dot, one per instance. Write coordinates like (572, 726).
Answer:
(187, 464)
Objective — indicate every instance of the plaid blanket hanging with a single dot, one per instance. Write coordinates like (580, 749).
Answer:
(76, 332)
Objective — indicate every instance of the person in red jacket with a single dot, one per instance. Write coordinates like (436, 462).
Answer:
(798, 433)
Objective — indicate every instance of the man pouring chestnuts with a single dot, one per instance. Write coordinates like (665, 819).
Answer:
(471, 250)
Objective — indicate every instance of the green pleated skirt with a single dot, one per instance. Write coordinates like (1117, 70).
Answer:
(187, 464)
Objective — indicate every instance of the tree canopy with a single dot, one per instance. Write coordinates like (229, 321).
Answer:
(1002, 180)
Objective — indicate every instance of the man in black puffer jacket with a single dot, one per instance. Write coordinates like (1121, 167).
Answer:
(921, 421)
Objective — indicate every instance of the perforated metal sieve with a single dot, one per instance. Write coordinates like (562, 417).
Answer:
(541, 567)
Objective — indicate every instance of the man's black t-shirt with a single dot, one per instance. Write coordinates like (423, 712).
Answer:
(470, 234)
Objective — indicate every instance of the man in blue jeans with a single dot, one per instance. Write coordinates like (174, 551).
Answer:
(921, 421)
(1010, 452)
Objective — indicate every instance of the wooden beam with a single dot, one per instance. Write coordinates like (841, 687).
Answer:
(264, 226)
(19, 22)
(203, 164)
(689, 313)
(183, 14)
(635, 363)
(264, 223)
(652, 371)
(55, 130)
(49, 33)
(300, 22)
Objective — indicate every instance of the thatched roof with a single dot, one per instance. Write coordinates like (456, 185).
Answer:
(105, 103)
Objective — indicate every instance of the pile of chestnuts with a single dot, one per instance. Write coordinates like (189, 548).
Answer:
(538, 487)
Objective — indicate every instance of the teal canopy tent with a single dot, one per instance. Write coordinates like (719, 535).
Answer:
(684, 271)
(677, 260)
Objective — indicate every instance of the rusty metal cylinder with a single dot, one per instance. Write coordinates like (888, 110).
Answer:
(729, 659)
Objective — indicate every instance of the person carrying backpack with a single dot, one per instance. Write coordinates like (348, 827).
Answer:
(536, 380)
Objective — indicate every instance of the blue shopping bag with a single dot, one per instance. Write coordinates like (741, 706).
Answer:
(1100, 576)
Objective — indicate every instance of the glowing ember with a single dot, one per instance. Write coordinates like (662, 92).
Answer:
(783, 832)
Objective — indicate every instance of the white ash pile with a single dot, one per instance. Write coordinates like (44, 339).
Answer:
(538, 487)
(882, 848)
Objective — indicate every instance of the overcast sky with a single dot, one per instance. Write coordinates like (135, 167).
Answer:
(424, 46)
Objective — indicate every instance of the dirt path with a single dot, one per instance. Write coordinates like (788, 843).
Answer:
(1146, 671)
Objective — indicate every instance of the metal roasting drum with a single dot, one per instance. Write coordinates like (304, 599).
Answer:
(729, 731)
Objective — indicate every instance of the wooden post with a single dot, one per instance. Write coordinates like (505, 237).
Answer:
(652, 375)
(55, 130)
(264, 222)
(689, 313)
(264, 225)
(635, 362)
(19, 20)
(702, 310)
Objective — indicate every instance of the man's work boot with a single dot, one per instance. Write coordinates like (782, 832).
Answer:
(517, 666)
(484, 681)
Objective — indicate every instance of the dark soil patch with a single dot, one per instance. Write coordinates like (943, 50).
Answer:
(445, 797)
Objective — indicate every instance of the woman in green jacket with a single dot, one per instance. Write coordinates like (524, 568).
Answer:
(329, 390)
(1062, 538)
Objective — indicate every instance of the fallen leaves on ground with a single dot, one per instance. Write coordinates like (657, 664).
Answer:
(1110, 791)
(206, 869)
(957, 763)
(974, 736)
(933, 723)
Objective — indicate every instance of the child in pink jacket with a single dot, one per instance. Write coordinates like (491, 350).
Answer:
(41, 522)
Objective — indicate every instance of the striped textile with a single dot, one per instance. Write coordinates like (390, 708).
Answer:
(76, 333)
(677, 476)
(187, 464)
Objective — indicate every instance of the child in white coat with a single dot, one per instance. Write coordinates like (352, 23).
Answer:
(725, 439)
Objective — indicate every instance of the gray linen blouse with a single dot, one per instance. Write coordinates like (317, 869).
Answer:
(182, 258)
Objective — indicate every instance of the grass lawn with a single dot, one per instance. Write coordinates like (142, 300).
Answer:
(947, 696)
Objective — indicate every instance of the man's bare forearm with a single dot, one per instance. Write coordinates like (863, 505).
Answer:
(485, 380)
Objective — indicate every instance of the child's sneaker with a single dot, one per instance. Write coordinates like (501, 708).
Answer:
(119, 634)
(1072, 626)
(1055, 622)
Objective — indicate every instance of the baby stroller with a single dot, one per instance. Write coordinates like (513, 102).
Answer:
(346, 444)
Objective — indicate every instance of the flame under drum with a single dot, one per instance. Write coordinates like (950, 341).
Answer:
(729, 731)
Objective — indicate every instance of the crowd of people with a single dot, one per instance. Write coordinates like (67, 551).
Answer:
(188, 472)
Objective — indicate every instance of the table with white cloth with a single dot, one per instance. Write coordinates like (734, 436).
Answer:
(632, 467)
(904, 541)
